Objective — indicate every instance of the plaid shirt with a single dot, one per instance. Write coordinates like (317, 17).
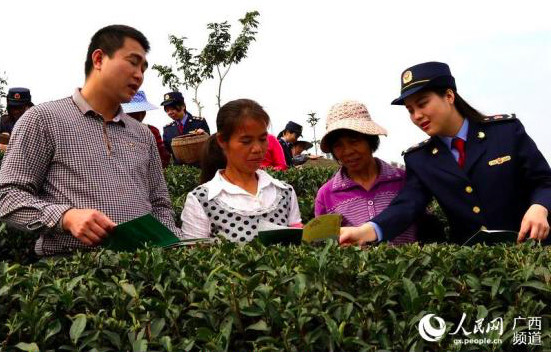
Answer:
(63, 155)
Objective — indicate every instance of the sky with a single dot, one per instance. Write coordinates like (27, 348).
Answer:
(308, 55)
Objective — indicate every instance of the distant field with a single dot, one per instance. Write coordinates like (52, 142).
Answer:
(322, 162)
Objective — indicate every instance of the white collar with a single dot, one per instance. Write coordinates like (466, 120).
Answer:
(219, 184)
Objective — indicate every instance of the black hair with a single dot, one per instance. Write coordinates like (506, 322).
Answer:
(463, 108)
(280, 134)
(372, 140)
(110, 39)
(229, 117)
(177, 106)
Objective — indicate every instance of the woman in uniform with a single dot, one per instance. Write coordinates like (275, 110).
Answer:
(485, 171)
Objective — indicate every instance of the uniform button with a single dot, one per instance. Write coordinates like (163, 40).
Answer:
(483, 228)
(469, 189)
(370, 202)
(476, 210)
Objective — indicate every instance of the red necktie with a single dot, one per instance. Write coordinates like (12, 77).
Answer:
(459, 145)
(180, 127)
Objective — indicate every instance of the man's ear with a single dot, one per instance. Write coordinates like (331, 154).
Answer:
(97, 58)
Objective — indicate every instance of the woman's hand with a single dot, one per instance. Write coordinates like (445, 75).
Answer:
(357, 235)
(534, 223)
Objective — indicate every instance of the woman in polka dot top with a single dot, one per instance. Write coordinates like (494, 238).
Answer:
(235, 197)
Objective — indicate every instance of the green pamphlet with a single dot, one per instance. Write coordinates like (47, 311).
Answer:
(319, 229)
(492, 237)
(134, 234)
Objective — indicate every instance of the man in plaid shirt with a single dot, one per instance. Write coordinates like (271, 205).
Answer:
(78, 166)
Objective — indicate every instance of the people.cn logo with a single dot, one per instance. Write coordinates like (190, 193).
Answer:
(430, 333)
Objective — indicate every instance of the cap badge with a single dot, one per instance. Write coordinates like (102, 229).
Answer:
(407, 77)
(167, 96)
(17, 96)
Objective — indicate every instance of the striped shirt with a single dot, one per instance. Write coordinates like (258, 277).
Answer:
(341, 195)
(63, 155)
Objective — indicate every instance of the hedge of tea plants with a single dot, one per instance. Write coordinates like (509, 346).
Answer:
(244, 298)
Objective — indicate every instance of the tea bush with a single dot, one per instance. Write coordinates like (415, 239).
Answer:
(244, 298)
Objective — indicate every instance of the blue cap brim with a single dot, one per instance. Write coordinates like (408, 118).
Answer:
(407, 93)
(440, 81)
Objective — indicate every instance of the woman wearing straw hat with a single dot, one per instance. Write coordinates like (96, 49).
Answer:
(364, 185)
(484, 171)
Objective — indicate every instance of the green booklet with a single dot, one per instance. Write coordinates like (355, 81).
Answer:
(136, 233)
(492, 237)
(319, 229)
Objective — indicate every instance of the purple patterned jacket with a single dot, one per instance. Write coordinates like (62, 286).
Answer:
(341, 195)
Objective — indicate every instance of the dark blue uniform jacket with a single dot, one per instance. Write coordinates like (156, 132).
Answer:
(171, 130)
(504, 174)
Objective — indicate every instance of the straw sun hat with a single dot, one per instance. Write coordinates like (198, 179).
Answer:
(349, 115)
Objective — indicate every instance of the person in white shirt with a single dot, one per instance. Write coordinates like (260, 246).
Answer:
(235, 197)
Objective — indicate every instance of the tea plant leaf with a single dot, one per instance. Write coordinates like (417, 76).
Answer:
(538, 285)
(259, 326)
(30, 347)
(410, 289)
(481, 312)
(53, 329)
(4, 290)
(113, 337)
(71, 285)
(300, 284)
(129, 289)
(157, 326)
(346, 295)
(166, 341)
(78, 326)
(139, 345)
(495, 287)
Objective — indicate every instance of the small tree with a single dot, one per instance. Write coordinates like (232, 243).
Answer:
(313, 121)
(221, 54)
(194, 71)
(218, 53)
(3, 93)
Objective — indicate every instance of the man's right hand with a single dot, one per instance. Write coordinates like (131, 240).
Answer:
(90, 226)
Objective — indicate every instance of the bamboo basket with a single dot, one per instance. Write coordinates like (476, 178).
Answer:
(4, 138)
(187, 148)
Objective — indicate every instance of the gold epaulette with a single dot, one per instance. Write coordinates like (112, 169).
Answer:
(497, 118)
(415, 147)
